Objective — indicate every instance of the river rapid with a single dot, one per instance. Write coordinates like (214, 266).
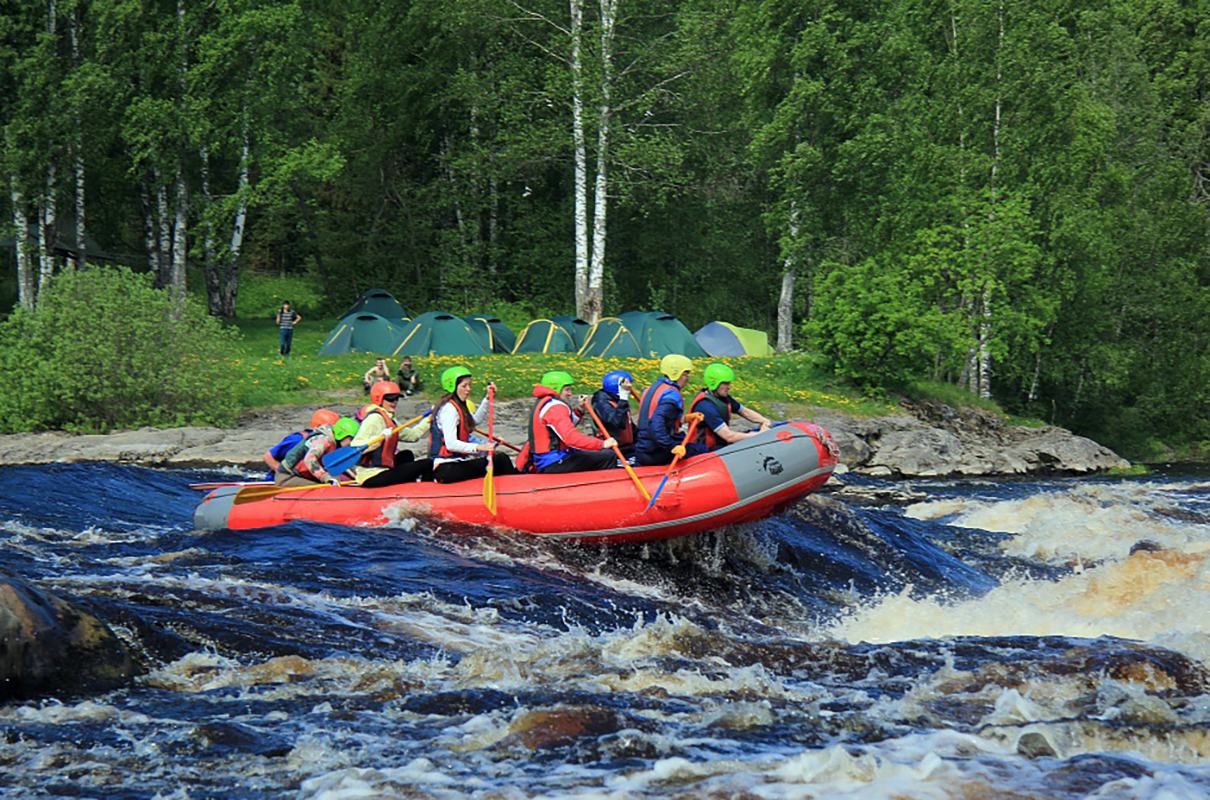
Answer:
(997, 639)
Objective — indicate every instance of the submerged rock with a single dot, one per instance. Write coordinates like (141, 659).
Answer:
(49, 645)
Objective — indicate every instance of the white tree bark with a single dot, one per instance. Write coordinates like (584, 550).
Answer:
(26, 292)
(149, 227)
(594, 299)
(164, 260)
(78, 150)
(231, 279)
(579, 156)
(46, 231)
(180, 247)
(214, 302)
(785, 302)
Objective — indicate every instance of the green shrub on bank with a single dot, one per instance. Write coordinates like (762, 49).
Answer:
(104, 350)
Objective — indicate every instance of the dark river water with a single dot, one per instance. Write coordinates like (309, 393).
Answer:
(993, 639)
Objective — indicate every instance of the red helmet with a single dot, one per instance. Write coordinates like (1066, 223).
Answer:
(381, 390)
(323, 417)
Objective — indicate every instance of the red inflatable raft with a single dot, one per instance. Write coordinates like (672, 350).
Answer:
(745, 481)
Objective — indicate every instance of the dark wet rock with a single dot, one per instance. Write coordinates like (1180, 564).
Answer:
(1035, 745)
(222, 737)
(872, 496)
(561, 727)
(49, 645)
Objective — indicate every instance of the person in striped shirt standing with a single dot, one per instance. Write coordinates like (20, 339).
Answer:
(287, 318)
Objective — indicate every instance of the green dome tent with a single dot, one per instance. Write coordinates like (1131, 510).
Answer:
(438, 333)
(724, 339)
(494, 334)
(544, 336)
(659, 334)
(380, 302)
(363, 332)
(575, 326)
(610, 338)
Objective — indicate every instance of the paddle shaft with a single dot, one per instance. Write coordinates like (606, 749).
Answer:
(489, 485)
(618, 450)
(497, 439)
(344, 458)
(688, 435)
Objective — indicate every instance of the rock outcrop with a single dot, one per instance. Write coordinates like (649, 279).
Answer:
(932, 440)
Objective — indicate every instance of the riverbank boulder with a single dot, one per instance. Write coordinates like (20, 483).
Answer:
(48, 645)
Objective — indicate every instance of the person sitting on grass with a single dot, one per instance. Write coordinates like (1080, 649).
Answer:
(303, 465)
(385, 464)
(277, 452)
(408, 377)
(379, 372)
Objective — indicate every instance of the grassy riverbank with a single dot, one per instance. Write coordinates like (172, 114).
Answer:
(797, 380)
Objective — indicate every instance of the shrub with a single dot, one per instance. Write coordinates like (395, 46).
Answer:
(260, 296)
(104, 350)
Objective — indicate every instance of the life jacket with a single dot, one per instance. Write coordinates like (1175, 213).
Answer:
(363, 412)
(299, 451)
(542, 439)
(651, 399)
(383, 456)
(704, 434)
(285, 446)
(466, 426)
(625, 434)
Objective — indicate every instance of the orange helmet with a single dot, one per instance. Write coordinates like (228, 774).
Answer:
(323, 416)
(381, 390)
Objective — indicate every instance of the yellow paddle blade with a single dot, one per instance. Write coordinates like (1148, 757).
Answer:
(489, 489)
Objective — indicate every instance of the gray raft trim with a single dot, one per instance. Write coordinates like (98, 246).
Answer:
(619, 532)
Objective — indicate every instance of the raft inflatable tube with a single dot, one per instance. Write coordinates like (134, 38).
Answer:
(745, 481)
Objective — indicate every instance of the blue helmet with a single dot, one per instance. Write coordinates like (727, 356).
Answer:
(611, 380)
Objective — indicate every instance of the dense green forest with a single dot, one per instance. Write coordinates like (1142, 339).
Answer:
(1008, 196)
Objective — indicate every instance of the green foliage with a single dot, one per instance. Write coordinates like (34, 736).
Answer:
(105, 350)
(876, 326)
(261, 295)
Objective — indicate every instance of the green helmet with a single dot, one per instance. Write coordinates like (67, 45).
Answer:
(345, 426)
(449, 378)
(716, 374)
(556, 380)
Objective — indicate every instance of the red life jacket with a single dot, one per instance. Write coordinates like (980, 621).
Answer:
(466, 426)
(651, 398)
(541, 438)
(704, 434)
(383, 456)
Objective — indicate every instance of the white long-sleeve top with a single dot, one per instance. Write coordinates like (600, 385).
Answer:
(447, 422)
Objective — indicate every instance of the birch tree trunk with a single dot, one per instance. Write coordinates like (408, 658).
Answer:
(231, 279)
(78, 149)
(210, 266)
(180, 242)
(580, 156)
(149, 228)
(594, 299)
(164, 259)
(785, 302)
(26, 291)
(46, 232)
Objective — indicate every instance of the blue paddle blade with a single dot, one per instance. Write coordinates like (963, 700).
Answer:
(657, 494)
(343, 459)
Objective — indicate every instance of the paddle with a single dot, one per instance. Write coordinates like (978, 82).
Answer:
(497, 439)
(616, 449)
(695, 418)
(250, 494)
(489, 485)
(342, 459)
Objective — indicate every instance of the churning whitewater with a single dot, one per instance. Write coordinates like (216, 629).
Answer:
(1025, 639)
